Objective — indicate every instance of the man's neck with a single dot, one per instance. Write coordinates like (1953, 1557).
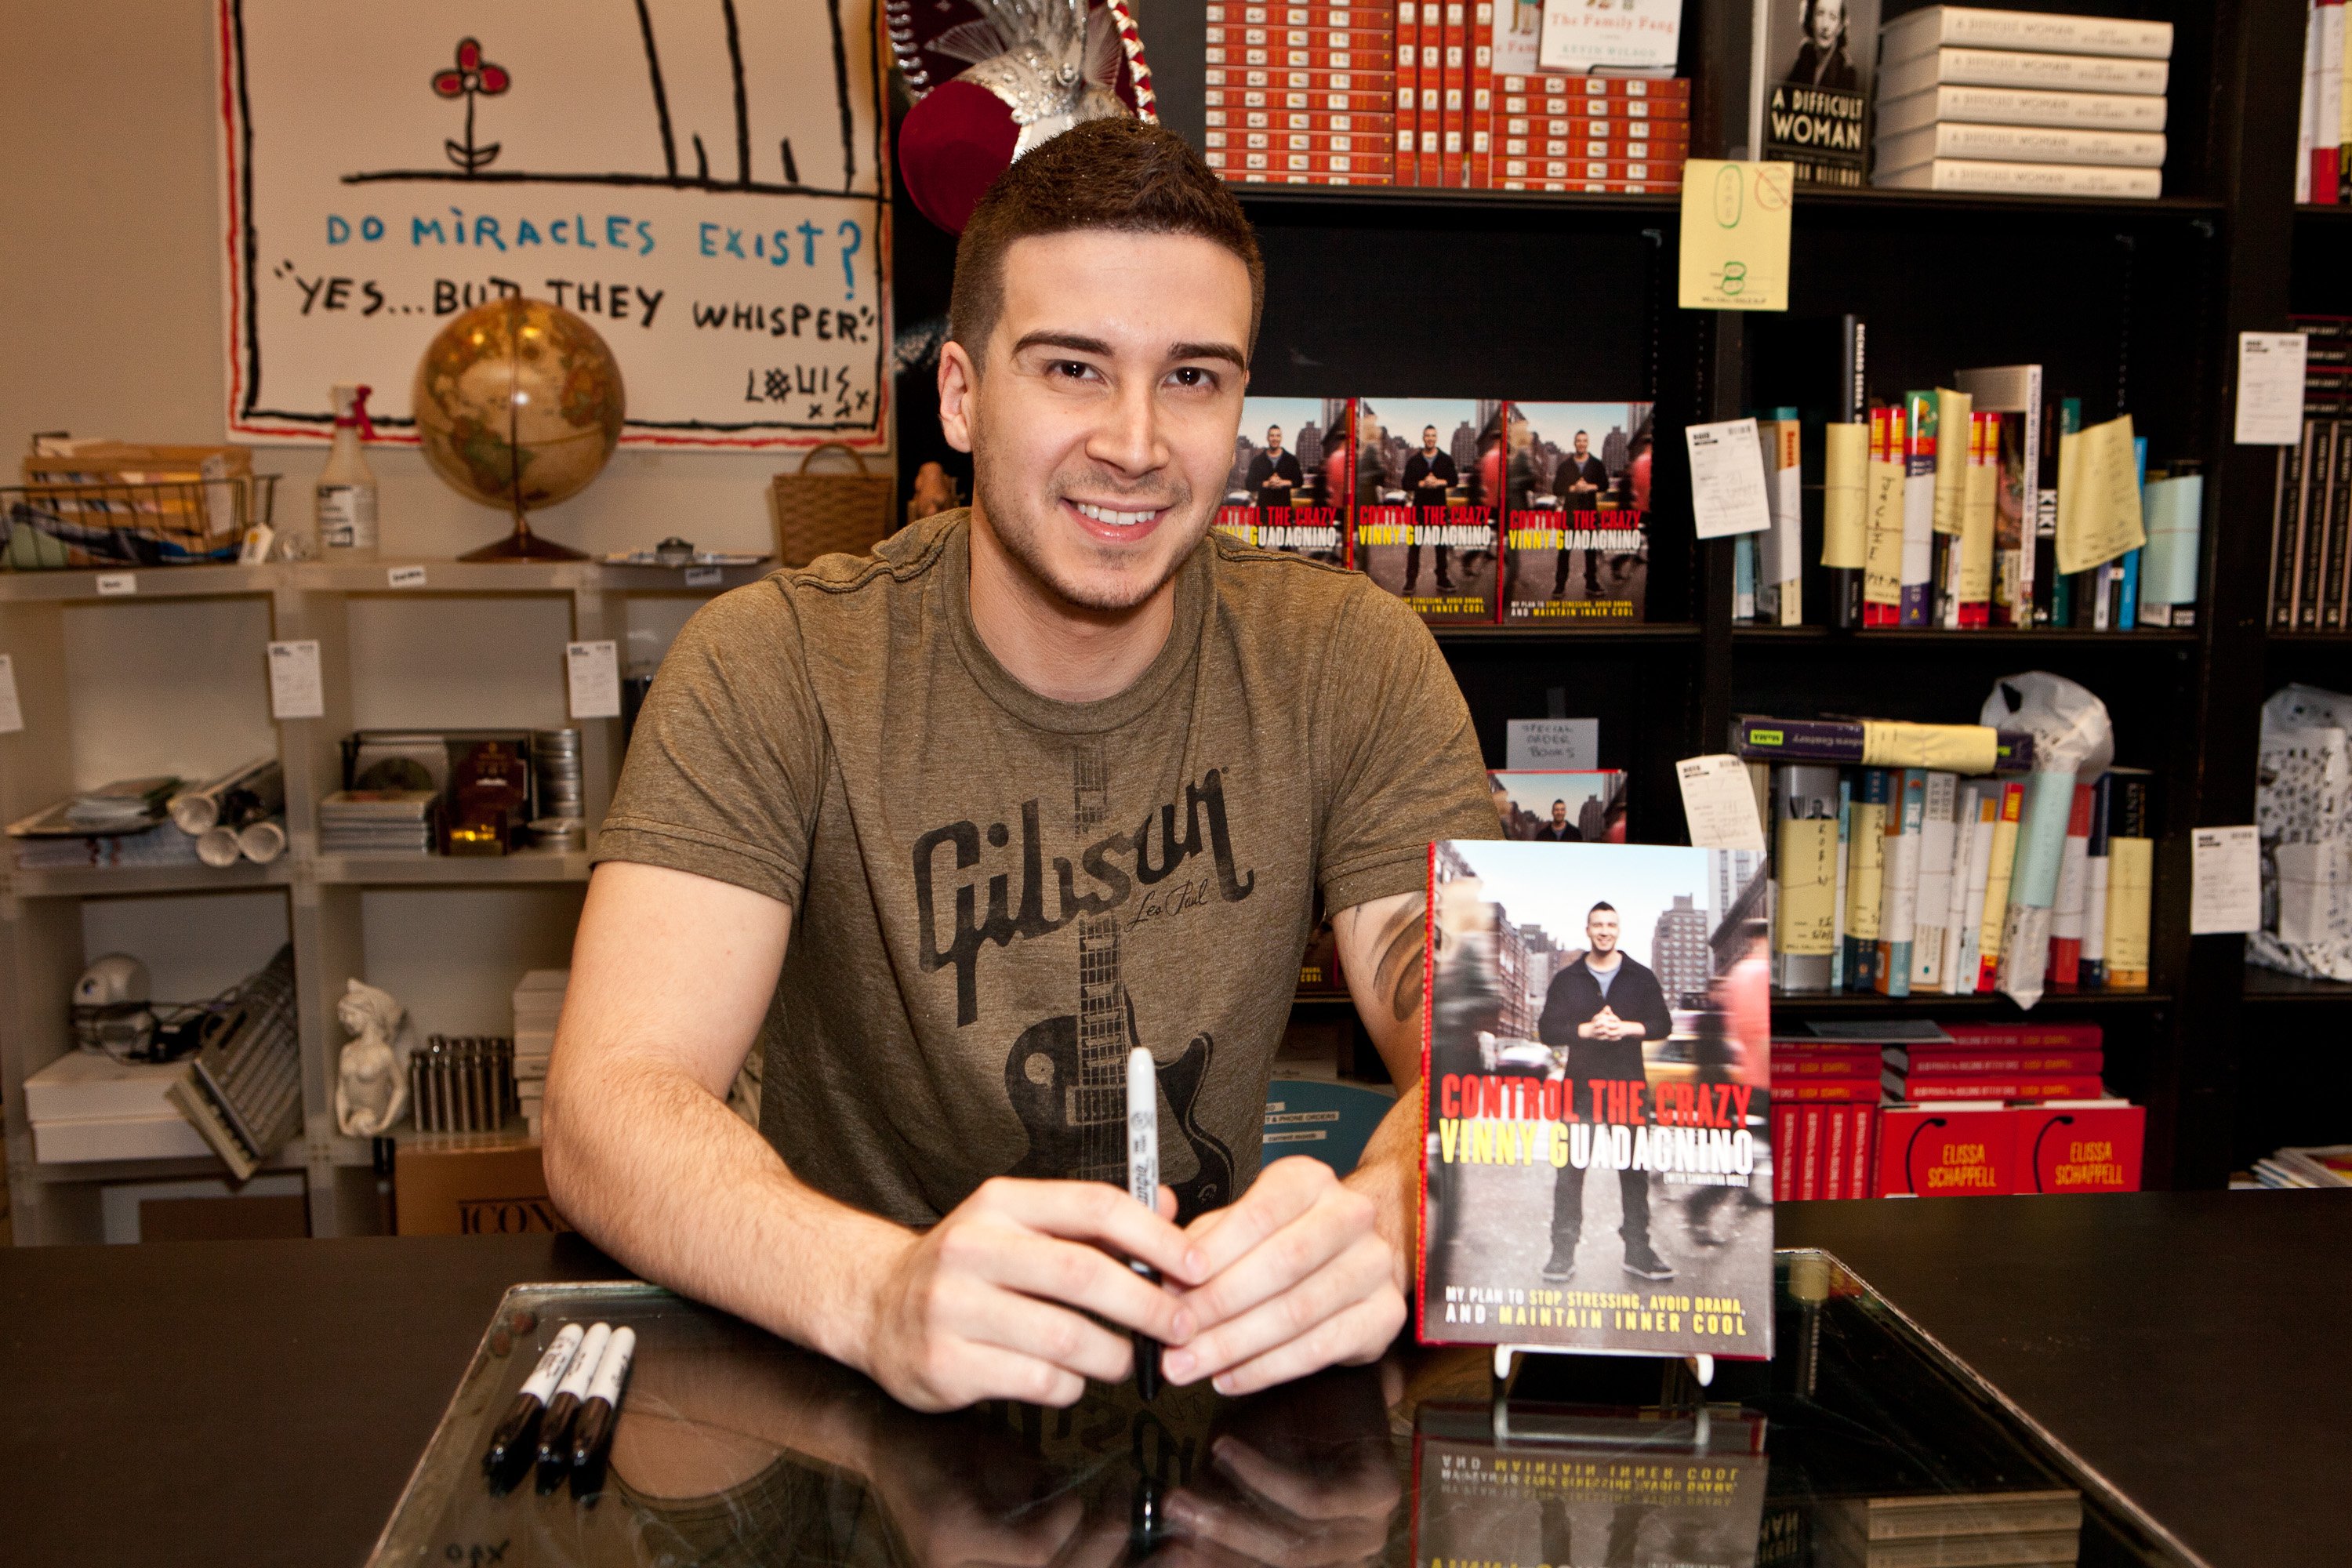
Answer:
(1601, 962)
(1059, 650)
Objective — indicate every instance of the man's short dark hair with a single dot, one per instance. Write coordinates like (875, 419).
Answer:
(1603, 904)
(1559, 803)
(1113, 173)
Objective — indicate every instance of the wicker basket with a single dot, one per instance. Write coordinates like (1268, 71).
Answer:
(826, 514)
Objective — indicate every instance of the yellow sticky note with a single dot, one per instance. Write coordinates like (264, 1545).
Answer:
(1845, 469)
(1735, 245)
(2098, 496)
(1951, 459)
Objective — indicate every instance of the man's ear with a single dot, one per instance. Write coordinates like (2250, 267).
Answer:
(958, 389)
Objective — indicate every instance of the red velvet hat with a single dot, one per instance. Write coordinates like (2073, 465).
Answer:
(994, 79)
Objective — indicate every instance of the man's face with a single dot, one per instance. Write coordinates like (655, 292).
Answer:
(1102, 414)
(1274, 438)
(1559, 814)
(1601, 931)
(1583, 445)
(1429, 438)
(1829, 21)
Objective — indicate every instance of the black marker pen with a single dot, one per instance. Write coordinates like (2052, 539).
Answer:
(594, 1430)
(514, 1434)
(1143, 1183)
(555, 1428)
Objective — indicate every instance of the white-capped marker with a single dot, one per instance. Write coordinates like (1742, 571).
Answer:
(1143, 1185)
(514, 1434)
(555, 1427)
(593, 1432)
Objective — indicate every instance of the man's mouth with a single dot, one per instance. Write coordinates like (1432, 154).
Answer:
(1116, 519)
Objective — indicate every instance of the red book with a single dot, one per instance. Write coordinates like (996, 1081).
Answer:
(1383, 124)
(1370, 41)
(1784, 1153)
(2063, 1086)
(1224, 13)
(1481, 90)
(1793, 1063)
(1243, 163)
(1835, 1121)
(1656, 90)
(2067, 916)
(1825, 1091)
(1236, 78)
(1588, 127)
(1808, 1168)
(1455, 102)
(1860, 1182)
(1368, 142)
(1294, 99)
(1432, 87)
(1408, 92)
(1595, 187)
(1995, 1064)
(2080, 1148)
(2014, 1037)
(1947, 1154)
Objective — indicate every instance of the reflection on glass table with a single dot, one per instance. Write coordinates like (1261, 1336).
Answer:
(1862, 1444)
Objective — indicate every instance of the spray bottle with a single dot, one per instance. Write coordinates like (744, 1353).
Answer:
(347, 485)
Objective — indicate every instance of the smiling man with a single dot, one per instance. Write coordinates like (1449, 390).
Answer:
(944, 831)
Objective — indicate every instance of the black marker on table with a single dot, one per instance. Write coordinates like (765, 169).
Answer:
(513, 1438)
(592, 1431)
(555, 1428)
(1143, 1184)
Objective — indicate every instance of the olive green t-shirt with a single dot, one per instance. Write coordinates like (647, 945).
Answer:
(996, 895)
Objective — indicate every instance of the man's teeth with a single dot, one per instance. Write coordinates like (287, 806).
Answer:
(1116, 518)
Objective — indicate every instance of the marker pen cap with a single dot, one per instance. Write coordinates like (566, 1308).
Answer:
(1142, 1129)
(552, 1365)
(583, 1366)
(612, 1370)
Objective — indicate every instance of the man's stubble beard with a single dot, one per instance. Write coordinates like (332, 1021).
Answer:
(1019, 534)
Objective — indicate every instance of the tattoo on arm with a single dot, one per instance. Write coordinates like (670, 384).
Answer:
(1397, 975)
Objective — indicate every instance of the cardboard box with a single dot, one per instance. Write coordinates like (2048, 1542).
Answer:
(458, 1185)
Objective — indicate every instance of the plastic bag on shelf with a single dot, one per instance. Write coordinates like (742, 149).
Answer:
(2073, 740)
(2303, 805)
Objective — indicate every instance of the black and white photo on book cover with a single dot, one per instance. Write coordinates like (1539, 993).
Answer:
(1813, 87)
(1596, 1051)
(1289, 478)
(1576, 503)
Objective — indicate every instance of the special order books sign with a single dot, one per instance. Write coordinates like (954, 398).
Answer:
(1596, 1047)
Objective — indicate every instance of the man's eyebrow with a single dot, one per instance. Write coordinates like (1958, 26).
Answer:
(1225, 352)
(1079, 343)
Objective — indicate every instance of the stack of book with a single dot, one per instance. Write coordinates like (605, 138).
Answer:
(1825, 1095)
(1620, 135)
(2021, 103)
(2311, 505)
(2018, 1529)
(1305, 94)
(377, 822)
(2004, 1062)
(538, 1004)
(1904, 880)
(2330, 1165)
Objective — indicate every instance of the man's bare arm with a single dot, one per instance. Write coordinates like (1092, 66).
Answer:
(1381, 948)
(671, 978)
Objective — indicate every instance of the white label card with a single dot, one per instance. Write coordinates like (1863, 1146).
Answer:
(2225, 881)
(405, 576)
(11, 715)
(296, 691)
(2270, 388)
(595, 671)
(114, 585)
(1728, 478)
(1719, 803)
(704, 576)
(1537, 746)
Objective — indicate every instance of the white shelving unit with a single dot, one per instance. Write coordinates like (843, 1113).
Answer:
(41, 924)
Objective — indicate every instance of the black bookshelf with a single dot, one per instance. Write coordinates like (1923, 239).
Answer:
(2134, 305)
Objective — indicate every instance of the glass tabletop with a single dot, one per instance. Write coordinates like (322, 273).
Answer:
(1863, 1443)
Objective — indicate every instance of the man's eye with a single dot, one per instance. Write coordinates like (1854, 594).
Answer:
(1077, 370)
(1193, 375)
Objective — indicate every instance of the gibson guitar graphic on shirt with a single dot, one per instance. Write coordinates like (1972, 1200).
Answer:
(1067, 1074)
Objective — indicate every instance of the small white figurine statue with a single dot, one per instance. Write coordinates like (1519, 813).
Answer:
(372, 1076)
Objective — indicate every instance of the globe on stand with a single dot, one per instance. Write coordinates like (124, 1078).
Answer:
(518, 405)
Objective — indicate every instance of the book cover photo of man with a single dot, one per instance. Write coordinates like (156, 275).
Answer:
(1428, 471)
(1279, 495)
(1576, 511)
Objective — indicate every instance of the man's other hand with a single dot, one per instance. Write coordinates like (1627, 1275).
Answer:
(990, 1303)
(1297, 1278)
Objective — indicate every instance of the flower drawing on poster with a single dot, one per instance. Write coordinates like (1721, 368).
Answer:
(471, 77)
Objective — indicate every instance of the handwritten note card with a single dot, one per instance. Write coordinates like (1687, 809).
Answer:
(2098, 496)
(1728, 478)
(1735, 244)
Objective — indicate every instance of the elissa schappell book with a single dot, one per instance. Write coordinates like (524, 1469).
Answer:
(1596, 1051)
(1289, 487)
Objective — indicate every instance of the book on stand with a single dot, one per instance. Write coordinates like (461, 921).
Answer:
(1424, 524)
(1576, 497)
(1288, 487)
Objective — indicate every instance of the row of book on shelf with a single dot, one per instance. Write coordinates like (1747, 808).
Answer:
(2311, 505)
(1961, 875)
(1922, 1110)
(1519, 96)
(1985, 504)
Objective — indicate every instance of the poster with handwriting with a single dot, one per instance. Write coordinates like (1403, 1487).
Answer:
(703, 181)
(1735, 235)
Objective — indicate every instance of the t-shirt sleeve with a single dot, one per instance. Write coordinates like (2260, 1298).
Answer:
(1400, 759)
(727, 761)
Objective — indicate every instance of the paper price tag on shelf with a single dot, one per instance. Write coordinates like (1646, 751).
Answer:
(405, 576)
(115, 584)
(1735, 243)
(2270, 388)
(2225, 881)
(296, 691)
(1537, 746)
(1719, 803)
(11, 715)
(1728, 478)
(594, 668)
(704, 576)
